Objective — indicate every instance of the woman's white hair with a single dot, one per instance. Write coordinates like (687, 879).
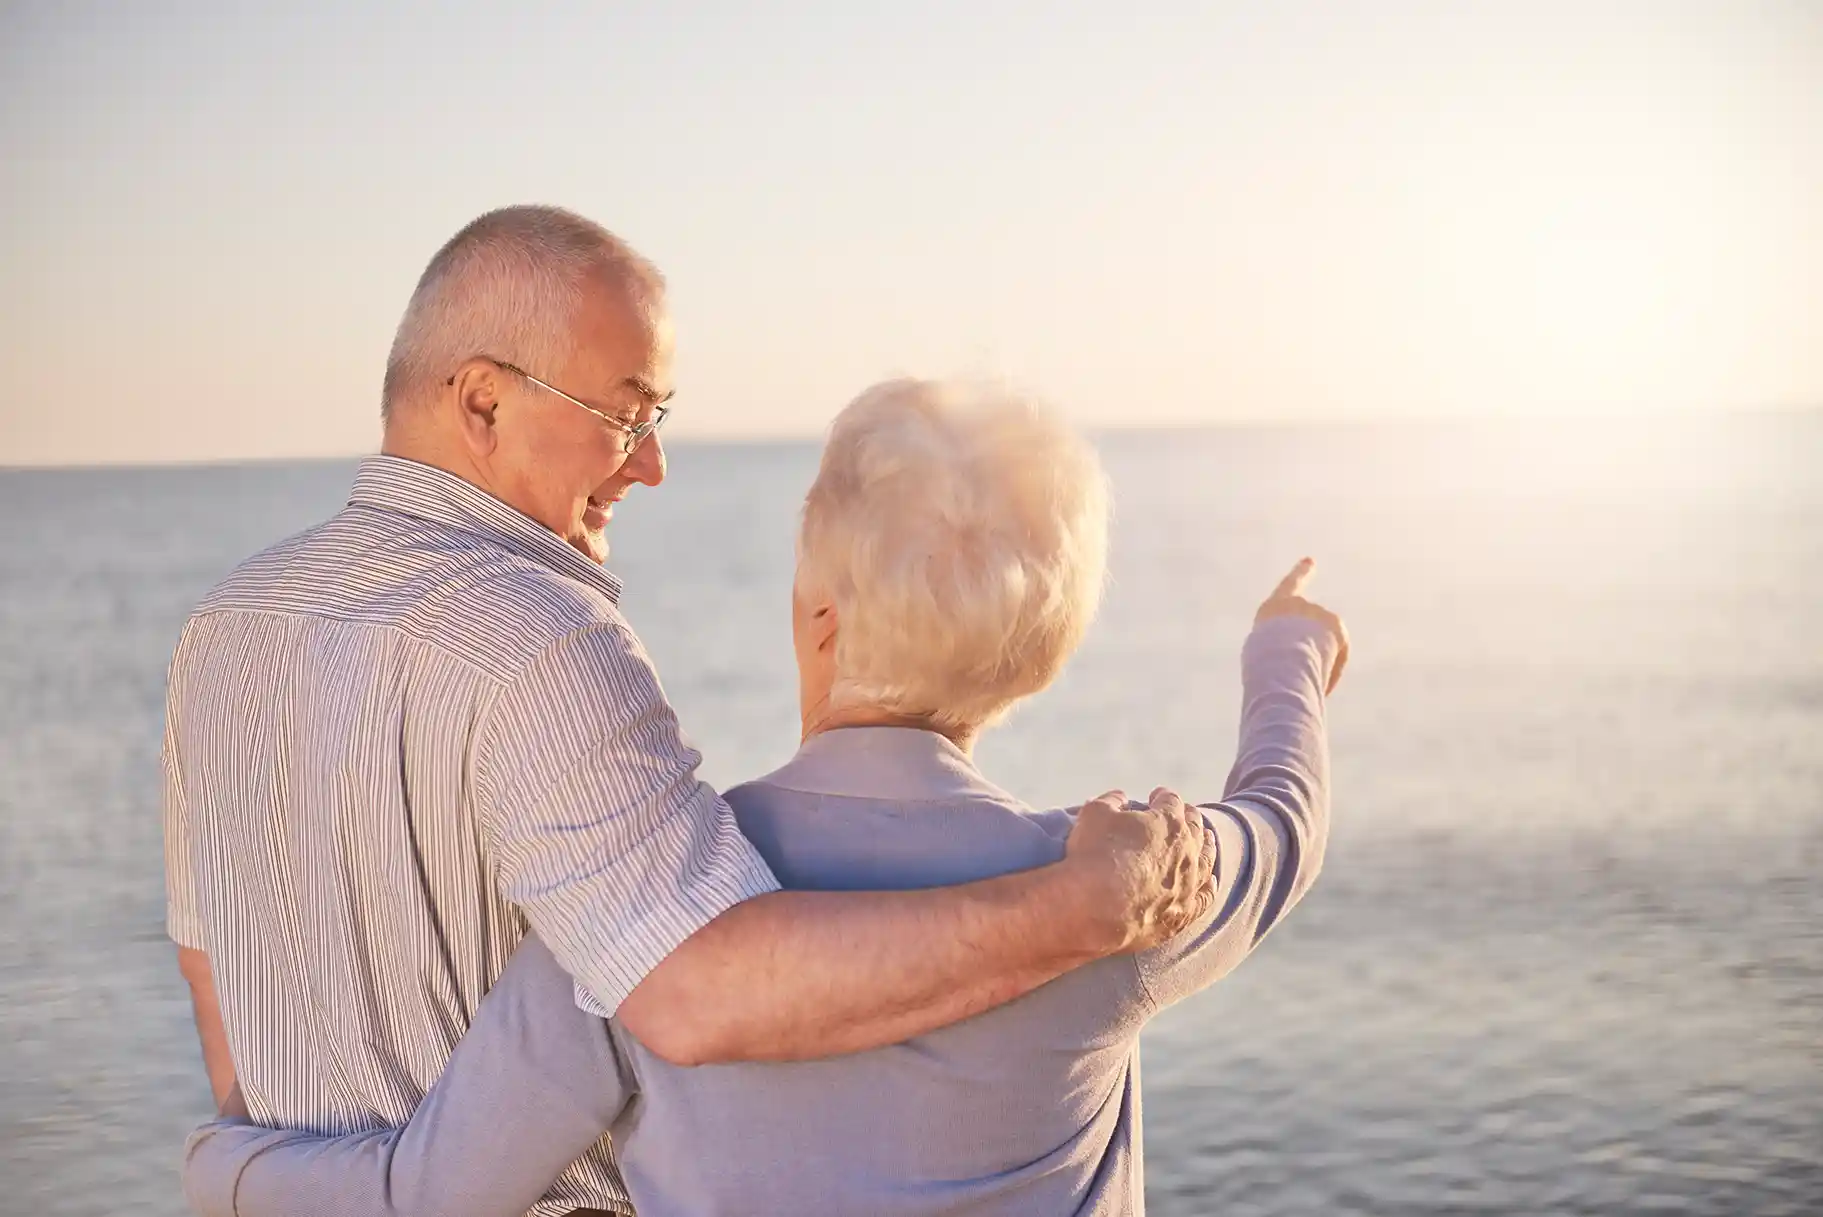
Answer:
(961, 533)
(508, 286)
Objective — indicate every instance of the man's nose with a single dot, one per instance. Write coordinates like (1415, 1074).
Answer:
(647, 464)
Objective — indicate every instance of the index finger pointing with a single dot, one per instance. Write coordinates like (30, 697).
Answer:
(1293, 583)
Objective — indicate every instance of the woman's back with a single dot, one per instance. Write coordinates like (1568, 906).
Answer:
(1027, 1108)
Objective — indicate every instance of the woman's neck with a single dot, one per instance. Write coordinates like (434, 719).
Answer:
(822, 719)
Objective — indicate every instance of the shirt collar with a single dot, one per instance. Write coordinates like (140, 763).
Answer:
(392, 483)
(898, 763)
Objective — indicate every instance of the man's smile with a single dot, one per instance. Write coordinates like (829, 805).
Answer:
(599, 511)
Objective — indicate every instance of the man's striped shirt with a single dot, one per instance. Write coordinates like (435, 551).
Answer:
(393, 742)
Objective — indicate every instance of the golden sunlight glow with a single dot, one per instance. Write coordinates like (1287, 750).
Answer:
(1211, 213)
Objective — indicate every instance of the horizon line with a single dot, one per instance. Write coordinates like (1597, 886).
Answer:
(767, 439)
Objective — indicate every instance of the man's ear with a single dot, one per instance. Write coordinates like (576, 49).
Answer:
(474, 394)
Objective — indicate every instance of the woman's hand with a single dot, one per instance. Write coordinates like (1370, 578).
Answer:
(1287, 600)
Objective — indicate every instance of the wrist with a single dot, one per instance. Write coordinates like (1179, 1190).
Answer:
(1280, 645)
(1084, 911)
(1289, 630)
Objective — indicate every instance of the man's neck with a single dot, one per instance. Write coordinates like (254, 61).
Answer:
(408, 444)
(426, 448)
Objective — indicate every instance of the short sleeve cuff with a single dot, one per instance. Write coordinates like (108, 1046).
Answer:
(732, 872)
(184, 928)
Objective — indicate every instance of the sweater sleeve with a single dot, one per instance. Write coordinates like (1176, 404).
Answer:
(1272, 823)
(529, 1089)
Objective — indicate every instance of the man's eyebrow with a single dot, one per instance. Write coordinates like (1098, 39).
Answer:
(639, 386)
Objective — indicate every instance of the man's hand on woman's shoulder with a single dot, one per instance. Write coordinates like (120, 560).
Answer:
(1287, 600)
(1145, 872)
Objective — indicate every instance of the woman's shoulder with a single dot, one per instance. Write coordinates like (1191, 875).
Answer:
(831, 842)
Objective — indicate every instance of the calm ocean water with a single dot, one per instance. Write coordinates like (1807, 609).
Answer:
(1567, 954)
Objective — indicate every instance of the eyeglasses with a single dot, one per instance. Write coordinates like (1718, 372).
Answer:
(635, 433)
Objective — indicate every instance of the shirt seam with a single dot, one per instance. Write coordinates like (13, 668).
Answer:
(1145, 986)
(391, 627)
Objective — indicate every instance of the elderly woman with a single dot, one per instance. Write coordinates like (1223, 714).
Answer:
(950, 559)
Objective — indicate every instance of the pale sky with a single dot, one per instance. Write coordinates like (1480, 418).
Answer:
(212, 215)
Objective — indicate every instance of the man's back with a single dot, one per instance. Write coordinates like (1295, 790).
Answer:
(338, 851)
(333, 843)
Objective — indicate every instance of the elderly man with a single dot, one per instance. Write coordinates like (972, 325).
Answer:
(399, 740)
(949, 561)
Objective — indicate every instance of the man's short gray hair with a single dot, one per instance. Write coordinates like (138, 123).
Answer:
(961, 533)
(508, 286)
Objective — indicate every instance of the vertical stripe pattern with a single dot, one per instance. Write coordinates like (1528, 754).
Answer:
(394, 742)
